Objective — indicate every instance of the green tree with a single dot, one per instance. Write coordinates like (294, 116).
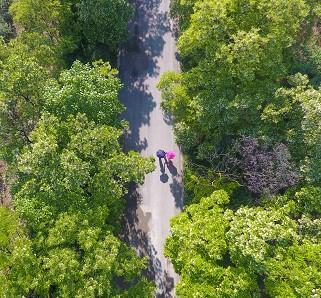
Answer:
(21, 101)
(75, 28)
(92, 90)
(73, 259)
(308, 200)
(78, 166)
(104, 21)
(85, 260)
(255, 233)
(294, 113)
(235, 54)
(69, 191)
(198, 249)
(238, 60)
(19, 267)
(35, 46)
(249, 252)
(295, 272)
(50, 18)
(26, 63)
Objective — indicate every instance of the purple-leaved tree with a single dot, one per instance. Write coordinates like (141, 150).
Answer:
(265, 170)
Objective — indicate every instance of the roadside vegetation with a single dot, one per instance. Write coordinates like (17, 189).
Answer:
(59, 141)
(247, 112)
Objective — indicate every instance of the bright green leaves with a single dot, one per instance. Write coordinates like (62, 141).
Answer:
(218, 282)
(75, 161)
(228, 253)
(85, 89)
(174, 95)
(98, 257)
(76, 165)
(240, 62)
(186, 237)
(38, 16)
(213, 23)
(21, 271)
(295, 272)
(198, 248)
(281, 20)
(18, 264)
(24, 93)
(309, 200)
(235, 54)
(81, 260)
(60, 133)
(50, 18)
(254, 232)
(233, 84)
(72, 176)
(63, 270)
(21, 101)
(9, 231)
(309, 208)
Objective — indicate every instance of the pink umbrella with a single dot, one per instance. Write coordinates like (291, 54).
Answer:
(170, 155)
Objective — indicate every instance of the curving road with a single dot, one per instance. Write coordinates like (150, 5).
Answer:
(151, 51)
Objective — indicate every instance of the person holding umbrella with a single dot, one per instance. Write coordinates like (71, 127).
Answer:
(160, 153)
(168, 157)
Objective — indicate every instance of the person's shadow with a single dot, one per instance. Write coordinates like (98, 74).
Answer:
(163, 177)
(172, 169)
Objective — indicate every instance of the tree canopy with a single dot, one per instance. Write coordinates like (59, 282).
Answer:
(246, 111)
(60, 128)
(74, 27)
(104, 21)
(72, 176)
(250, 252)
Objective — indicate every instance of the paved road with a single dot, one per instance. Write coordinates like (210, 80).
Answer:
(150, 52)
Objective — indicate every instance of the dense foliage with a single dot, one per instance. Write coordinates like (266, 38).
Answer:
(6, 26)
(74, 27)
(246, 108)
(250, 252)
(104, 21)
(235, 72)
(71, 179)
(59, 133)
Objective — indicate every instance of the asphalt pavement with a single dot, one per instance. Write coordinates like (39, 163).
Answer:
(150, 51)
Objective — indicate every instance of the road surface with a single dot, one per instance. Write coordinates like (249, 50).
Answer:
(150, 51)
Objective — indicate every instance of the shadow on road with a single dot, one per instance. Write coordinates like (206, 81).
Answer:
(168, 118)
(134, 233)
(177, 192)
(138, 62)
(176, 186)
(163, 178)
(138, 66)
(172, 169)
